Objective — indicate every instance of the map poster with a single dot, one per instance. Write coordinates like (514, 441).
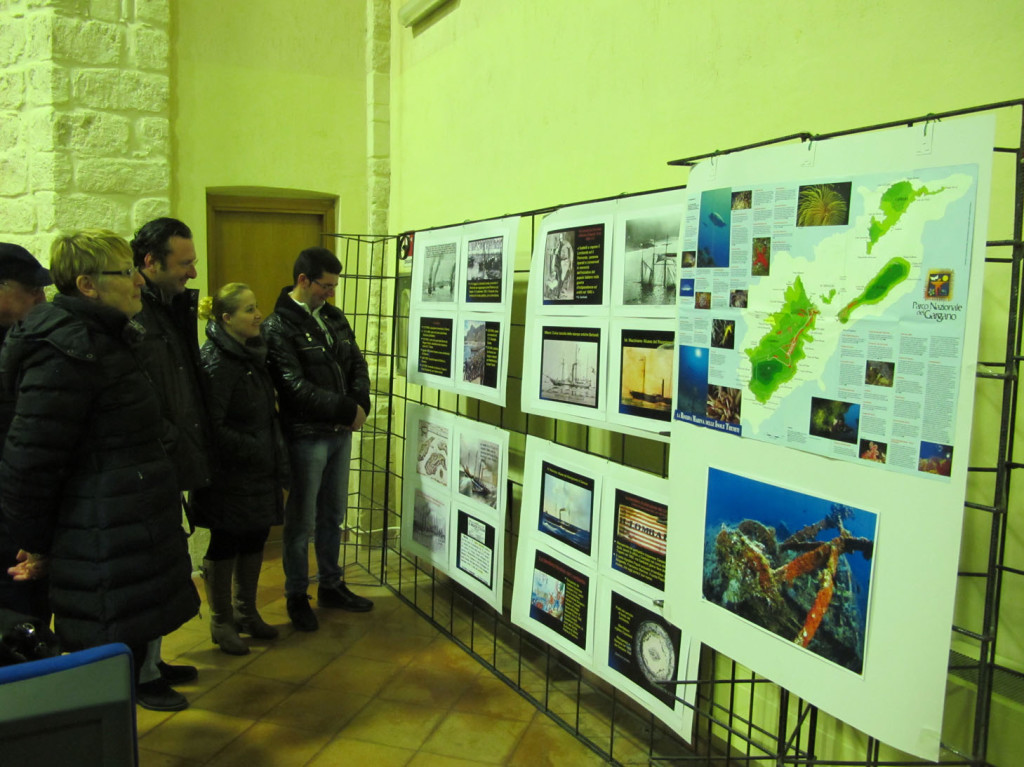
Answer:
(827, 312)
(434, 347)
(474, 554)
(570, 366)
(433, 447)
(560, 598)
(485, 275)
(643, 647)
(645, 372)
(574, 262)
(640, 538)
(820, 420)
(481, 351)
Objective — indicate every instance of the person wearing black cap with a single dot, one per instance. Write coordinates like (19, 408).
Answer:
(22, 279)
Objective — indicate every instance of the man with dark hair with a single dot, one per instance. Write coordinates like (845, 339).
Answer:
(324, 395)
(164, 253)
(22, 279)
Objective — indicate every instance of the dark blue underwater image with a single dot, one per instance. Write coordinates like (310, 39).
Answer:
(794, 564)
(692, 384)
(713, 230)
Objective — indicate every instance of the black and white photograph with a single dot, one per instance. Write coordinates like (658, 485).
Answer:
(439, 272)
(559, 265)
(650, 259)
(484, 270)
(430, 522)
(479, 468)
(570, 361)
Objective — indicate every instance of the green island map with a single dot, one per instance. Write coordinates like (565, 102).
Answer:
(776, 356)
(773, 362)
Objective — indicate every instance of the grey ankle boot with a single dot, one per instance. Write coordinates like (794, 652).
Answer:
(247, 618)
(217, 575)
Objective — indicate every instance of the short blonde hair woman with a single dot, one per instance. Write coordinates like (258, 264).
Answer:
(86, 486)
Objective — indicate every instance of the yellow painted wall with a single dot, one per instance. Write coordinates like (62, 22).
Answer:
(507, 106)
(500, 107)
(268, 94)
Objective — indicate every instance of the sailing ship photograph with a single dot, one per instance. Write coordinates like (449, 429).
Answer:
(478, 469)
(645, 382)
(649, 263)
(569, 370)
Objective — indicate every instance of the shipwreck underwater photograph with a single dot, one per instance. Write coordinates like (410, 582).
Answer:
(794, 564)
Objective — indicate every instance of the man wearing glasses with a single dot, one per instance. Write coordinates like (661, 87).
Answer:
(324, 395)
(164, 253)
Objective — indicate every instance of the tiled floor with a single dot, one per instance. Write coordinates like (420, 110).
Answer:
(381, 688)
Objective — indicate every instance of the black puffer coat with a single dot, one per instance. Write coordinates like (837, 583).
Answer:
(169, 353)
(319, 381)
(250, 464)
(85, 479)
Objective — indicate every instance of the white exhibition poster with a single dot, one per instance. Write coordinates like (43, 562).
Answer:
(461, 306)
(645, 254)
(826, 308)
(643, 353)
(811, 566)
(595, 265)
(426, 483)
(634, 529)
(590, 575)
(641, 653)
(454, 481)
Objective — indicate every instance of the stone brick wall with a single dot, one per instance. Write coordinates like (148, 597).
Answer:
(84, 117)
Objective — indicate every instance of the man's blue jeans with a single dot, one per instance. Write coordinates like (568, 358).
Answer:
(316, 506)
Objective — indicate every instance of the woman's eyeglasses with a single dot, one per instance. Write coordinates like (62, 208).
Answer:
(129, 272)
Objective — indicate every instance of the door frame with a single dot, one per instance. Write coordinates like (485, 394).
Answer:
(265, 202)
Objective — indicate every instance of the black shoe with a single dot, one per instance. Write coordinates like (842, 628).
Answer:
(340, 597)
(301, 614)
(175, 675)
(158, 696)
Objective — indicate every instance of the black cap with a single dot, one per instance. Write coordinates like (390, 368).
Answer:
(18, 264)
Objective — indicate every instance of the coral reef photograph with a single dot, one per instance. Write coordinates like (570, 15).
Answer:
(761, 257)
(742, 200)
(935, 459)
(738, 299)
(824, 205)
(873, 450)
(835, 419)
(794, 564)
(877, 373)
(724, 403)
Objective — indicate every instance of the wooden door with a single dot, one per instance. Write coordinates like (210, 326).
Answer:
(255, 240)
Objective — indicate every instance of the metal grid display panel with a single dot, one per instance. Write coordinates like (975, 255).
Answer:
(741, 718)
